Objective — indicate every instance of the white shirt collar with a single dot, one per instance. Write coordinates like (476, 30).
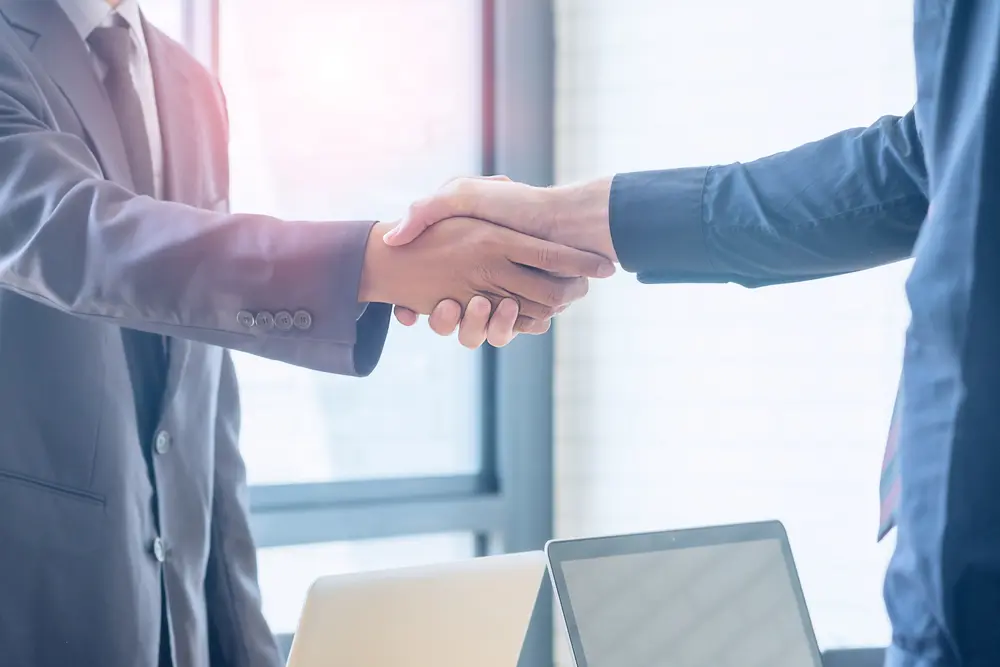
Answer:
(85, 15)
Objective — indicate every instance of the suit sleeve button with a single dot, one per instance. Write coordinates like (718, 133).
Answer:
(283, 320)
(302, 320)
(245, 317)
(264, 320)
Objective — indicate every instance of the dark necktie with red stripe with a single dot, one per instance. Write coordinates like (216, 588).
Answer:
(889, 483)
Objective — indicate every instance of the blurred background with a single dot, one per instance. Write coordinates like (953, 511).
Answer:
(649, 407)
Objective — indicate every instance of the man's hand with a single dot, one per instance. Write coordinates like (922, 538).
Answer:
(462, 258)
(573, 215)
(477, 325)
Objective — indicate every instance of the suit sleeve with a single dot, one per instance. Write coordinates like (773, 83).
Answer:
(82, 244)
(238, 634)
(852, 201)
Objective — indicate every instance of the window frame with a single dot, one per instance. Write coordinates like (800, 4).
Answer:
(508, 504)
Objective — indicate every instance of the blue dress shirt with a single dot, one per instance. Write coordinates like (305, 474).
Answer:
(926, 184)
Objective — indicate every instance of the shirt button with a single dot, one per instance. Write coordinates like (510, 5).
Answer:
(159, 550)
(245, 317)
(302, 320)
(264, 320)
(283, 320)
(162, 442)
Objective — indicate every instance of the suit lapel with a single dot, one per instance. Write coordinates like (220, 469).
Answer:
(52, 39)
(58, 47)
(181, 169)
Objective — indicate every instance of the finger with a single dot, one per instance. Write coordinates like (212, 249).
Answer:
(537, 286)
(445, 317)
(501, 327)
(535, 310)
(531, 326)
(472, 330)
(494, 177)
(405, 316)
(410, 227)
(421, 215)
(559, 259)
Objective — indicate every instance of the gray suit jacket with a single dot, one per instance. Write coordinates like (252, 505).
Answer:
(91, 536)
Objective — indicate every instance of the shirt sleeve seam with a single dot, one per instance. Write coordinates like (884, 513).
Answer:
(704, 221)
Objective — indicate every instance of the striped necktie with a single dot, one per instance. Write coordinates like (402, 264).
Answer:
(148, 353)
(889, 483)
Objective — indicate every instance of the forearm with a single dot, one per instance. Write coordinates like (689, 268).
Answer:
(214, 278)
(84, 245)
(851, 201)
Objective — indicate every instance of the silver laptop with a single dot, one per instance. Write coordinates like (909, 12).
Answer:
(472, 613)
(724, 596)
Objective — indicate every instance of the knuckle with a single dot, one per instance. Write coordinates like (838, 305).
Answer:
(486, 239)
(485, 273)
(546, 312)
(559, 293)
(532, 326)
(460, 192)
(546, 256)
(415, 209)
(543, 226)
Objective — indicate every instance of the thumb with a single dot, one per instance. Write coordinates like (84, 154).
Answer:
(425, 212)
(421, 215)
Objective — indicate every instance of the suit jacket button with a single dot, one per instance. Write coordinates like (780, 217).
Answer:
(162, 443)
(264, 320)
(302, 320)
(283, 320)
(245, 317)
(159, 550)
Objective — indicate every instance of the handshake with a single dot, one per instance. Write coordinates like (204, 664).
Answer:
(491, 257)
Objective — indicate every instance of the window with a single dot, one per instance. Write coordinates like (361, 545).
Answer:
(346, 110)
(332, 119)
(167, 15)
(343, 110)
(719, 403)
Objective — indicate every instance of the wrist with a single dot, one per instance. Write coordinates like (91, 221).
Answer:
(376, 285)
(580, 215)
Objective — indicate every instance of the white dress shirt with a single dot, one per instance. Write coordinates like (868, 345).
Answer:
(89, 14)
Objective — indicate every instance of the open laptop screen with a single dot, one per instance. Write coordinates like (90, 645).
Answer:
(711, 597)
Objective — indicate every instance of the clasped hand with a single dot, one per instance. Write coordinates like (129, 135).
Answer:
(518, 270)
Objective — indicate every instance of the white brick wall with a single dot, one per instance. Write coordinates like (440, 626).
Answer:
(684, 405)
